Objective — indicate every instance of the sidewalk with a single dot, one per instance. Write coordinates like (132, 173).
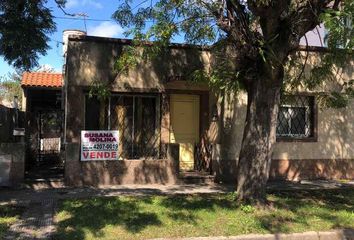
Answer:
(26, 195)
(346, 234)
(310, 185)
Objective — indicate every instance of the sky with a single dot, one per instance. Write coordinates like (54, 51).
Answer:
(95, 9)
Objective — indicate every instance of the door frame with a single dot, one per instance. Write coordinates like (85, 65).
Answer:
(196, 100)
(186, 97)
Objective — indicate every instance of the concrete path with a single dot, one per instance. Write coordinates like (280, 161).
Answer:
(35, 223)
(332, 235)
(26, 195)
(310, 185)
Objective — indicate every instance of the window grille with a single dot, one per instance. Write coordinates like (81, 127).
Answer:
(295, 117)
(136, 117)
(95, 114)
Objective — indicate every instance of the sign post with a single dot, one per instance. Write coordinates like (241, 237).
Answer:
(99, 145)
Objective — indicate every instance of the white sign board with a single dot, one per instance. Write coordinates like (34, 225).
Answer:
(99, 145)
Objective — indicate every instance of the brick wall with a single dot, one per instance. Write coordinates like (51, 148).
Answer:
(297, 169)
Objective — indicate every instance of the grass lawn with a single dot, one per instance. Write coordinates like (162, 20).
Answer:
(202, 215)
(8, 215)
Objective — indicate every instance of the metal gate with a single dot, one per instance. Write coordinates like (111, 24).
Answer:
(49, 134)
(46, 144)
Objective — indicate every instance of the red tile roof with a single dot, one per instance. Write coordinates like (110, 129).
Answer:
(42, 79)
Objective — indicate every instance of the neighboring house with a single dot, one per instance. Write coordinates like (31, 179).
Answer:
(42, 103)
(169, 126)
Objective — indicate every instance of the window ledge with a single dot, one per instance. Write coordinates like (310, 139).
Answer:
(296, 139)
(125, 160)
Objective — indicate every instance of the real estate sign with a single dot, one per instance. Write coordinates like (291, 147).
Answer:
(99, 145)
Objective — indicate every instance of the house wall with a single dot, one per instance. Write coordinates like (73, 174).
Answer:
(93, 59)
(12, 154)
(12, 148)
(90, 60)
(102, 173)
(331, 156)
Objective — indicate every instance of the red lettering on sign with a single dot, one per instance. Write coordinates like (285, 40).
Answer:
(99, 155)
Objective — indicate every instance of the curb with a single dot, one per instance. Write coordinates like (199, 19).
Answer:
(344, 234)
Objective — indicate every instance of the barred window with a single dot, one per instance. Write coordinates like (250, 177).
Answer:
(136, 117)
(296, 117)
(95, 114)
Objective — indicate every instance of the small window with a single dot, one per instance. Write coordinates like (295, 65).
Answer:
(296, 117)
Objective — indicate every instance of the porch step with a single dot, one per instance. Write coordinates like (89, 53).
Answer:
(39, 183)
(195, 178)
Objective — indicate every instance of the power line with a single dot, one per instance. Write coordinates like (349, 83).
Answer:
(91, 19)
(87, 19)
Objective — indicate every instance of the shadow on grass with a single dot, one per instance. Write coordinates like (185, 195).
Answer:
(333, 198)
(306, 207)
(8, 215)
(293, 212)
(134, 214)
(201, 201)
(182, 208)
(95, 214)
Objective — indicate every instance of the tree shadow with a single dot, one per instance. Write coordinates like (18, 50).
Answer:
(8, 215)
(183, 208)
(334, 199)
(93, 215)
(299, 211)
(303, 206)
(197, 202)
(134, 214)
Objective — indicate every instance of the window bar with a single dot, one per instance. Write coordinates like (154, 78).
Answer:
(290, 115)
(109, 113)
(307, 122)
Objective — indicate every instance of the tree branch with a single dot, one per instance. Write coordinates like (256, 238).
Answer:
(221, 20)
(319, 36)
(336, 4)
(60, 6)
(306, 59)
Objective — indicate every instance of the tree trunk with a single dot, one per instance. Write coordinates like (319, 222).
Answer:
(259, 136)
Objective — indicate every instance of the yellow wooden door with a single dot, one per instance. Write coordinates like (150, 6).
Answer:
(185, 127)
